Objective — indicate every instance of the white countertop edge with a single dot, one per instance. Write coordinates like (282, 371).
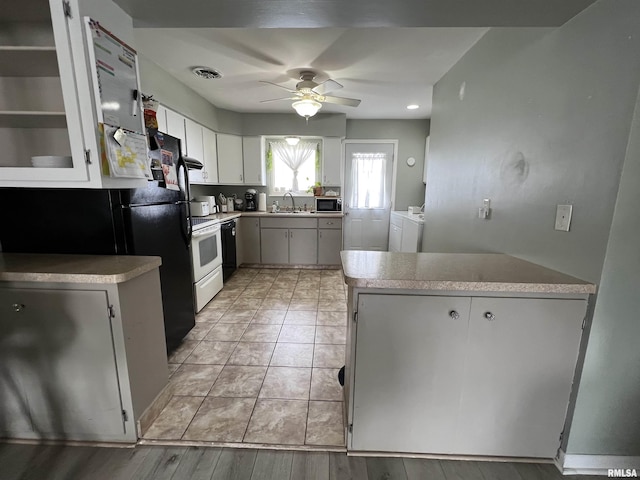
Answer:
(444, 285)
(95, 277)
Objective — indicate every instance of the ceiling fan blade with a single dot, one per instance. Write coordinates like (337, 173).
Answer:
(278, 99)
(350, 102)
(276, 85)
(326, 87)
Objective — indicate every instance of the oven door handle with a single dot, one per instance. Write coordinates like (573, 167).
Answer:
(210, 233)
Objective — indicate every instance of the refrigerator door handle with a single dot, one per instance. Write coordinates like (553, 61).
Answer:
(182, 166)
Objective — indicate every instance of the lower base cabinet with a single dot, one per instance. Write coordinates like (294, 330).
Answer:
(329, 246)
(248, 236)
(463, 375)
(80, 362)
(303, 246)
(274, 245)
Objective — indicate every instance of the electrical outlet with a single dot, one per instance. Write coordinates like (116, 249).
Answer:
(563, 217)
(484, 212)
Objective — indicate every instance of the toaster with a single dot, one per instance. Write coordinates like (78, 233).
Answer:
(199, 209)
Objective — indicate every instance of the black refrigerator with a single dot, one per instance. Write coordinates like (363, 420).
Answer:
(145, 221)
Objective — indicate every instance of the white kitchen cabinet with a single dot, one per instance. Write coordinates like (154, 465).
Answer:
(194, 139)
(521, 357)
(161, 118)
(176, 128)
(411, 236)
(230, 162)
(332, 161)
(86, 360)
(249, 239)
(303, 246)
(405, 233)
(210, 158)
(254, 165)
(395, 237)
(274, 245)
(463, 375)
(409, 359)
(47, 104)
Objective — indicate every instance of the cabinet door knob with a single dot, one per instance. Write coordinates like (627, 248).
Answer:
(453, 314)
(18, 307)
(489, 316)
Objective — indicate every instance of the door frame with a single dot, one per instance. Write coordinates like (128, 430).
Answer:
(394, 166)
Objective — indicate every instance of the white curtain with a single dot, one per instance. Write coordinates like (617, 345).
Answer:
(293, 156)
(368, 180)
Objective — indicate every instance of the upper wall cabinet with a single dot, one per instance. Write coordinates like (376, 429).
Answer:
(254, 165)
(230, 161)
(332, 161)
(206, 152)
(176, 128)
(47, 100)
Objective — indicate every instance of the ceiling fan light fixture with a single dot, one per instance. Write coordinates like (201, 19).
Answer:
(307, 107)
(293, 141)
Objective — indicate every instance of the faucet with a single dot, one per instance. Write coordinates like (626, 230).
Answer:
(293, 202)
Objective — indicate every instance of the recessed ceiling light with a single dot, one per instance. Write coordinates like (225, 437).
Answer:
(412, 106)
(206, 72)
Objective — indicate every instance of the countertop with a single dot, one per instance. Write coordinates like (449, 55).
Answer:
(34, 267)
(455, 272)
(407, 215)
(228, 216)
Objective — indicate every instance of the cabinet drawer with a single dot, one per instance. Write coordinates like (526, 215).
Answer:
(330, 223)
(289, 222)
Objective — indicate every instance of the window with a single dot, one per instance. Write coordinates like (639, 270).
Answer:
(368, 180)
(292, 168)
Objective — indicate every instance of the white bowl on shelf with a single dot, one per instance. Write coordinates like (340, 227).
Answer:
(51, 161)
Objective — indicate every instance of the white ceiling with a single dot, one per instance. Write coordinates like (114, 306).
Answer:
(387, 68)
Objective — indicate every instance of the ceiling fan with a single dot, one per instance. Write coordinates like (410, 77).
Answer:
(310, 95)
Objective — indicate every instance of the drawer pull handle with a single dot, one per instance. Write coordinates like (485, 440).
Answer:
(453, 314)
(489, 316)
(18, 307)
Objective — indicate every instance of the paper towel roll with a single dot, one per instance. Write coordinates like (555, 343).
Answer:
(262, 202)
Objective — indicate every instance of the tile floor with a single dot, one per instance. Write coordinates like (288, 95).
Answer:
(261, 365)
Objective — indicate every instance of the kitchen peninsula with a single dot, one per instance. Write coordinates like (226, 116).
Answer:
(460, 354)
(82, 346)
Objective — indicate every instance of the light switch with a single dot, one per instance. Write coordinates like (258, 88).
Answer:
(563, 217)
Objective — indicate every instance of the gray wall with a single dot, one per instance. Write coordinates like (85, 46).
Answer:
(544, 121)
(322, 124)
(177, 96)
(411, 136)
(607, 412)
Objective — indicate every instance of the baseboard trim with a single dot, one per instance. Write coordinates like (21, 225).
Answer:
(573, 464)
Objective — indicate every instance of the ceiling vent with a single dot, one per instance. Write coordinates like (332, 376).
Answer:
(206, 72)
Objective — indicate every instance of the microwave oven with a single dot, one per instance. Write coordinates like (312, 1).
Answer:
(328, 204)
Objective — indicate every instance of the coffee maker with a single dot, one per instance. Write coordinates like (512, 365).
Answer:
(251, 200)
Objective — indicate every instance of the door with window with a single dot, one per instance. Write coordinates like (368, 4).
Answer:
(367, 196)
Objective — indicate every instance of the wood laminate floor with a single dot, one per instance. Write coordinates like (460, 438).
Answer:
(32, 462)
